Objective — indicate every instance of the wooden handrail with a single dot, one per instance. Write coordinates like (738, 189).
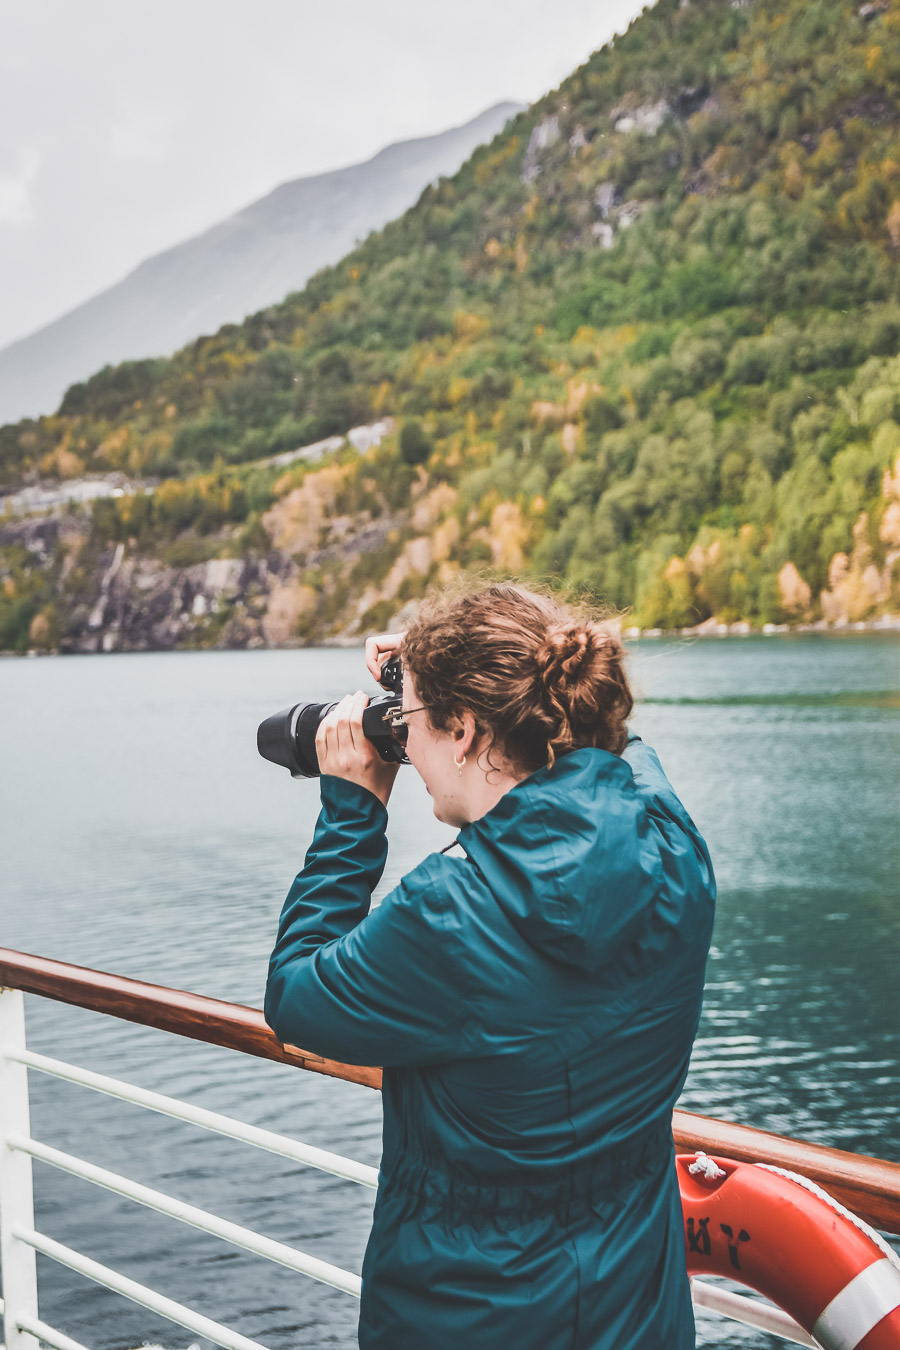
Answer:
(154, 1005)
(868, 1186)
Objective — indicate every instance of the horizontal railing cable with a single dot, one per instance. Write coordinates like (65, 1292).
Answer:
(269, 1140)
(49, 1335)
(762, 1316)
(235, 1233)
(138, 1293)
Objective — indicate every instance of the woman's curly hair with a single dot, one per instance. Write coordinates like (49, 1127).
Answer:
(540, 677)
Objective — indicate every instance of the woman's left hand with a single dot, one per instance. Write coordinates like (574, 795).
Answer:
(345, 751)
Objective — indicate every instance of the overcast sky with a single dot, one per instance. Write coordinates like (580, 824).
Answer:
(127, 126)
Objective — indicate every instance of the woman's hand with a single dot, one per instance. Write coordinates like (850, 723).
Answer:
(344, 751)
(380, 649)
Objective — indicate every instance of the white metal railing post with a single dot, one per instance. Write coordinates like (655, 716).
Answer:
(16, 1196)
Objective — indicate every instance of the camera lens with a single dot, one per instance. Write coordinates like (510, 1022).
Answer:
(289, 737)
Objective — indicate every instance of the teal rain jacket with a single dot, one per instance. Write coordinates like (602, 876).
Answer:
(533, 1004)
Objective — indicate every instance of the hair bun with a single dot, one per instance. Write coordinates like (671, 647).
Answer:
(565, 653)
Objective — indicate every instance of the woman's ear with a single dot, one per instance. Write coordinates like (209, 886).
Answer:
(464, 734)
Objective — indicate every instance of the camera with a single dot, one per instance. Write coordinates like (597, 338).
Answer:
(289, 737)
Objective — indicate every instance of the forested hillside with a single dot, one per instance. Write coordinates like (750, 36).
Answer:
(645, 343)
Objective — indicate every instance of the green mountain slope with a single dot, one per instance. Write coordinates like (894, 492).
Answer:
(645, 342)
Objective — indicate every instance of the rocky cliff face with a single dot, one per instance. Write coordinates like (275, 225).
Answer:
(299, 591)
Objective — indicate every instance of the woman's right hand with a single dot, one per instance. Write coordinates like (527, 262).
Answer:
(380, 649)
(345, 751)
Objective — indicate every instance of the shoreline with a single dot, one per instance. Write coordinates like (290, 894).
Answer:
(710, 629)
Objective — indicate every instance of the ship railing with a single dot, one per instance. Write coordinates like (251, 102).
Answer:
(868, 1186)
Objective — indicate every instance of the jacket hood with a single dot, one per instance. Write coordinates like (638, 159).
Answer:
(576, 858)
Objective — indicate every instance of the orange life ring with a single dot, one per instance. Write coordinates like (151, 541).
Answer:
(783, 1236)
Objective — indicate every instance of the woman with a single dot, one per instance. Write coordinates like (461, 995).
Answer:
(533, 998)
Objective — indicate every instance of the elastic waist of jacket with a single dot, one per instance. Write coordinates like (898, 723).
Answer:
(592, 1181)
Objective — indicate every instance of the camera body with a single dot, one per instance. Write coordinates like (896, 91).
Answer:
(288, 737)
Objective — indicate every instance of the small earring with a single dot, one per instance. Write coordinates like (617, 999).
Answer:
(460, 764)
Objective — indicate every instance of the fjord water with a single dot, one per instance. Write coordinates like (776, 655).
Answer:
(142, 834)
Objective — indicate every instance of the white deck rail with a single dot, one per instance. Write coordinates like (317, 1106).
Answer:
(20, 1241)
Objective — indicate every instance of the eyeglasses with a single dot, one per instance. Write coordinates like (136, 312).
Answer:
(397, 725)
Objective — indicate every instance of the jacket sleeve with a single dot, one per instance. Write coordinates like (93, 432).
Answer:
(651, 782)
(661, 800)
(365, 988)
